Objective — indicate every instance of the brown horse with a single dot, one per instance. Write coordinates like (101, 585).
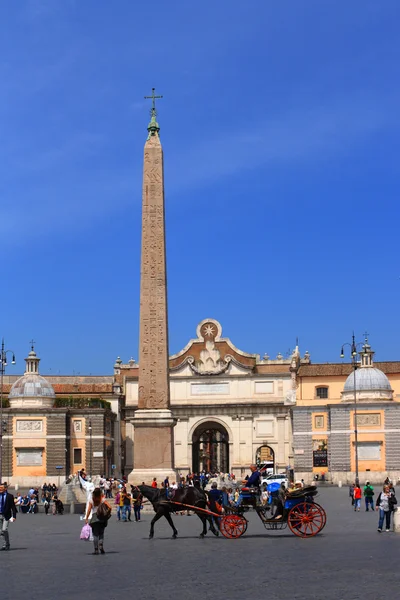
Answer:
(164, 505)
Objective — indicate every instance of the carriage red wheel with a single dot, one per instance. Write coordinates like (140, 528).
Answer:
(233, 526)
(323, 514)
(306, 519)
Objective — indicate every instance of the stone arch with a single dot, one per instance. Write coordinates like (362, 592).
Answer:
(210, 447)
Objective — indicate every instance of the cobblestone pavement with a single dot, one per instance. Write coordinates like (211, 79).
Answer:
(350, 560)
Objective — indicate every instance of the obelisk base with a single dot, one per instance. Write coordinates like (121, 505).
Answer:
(153, 447)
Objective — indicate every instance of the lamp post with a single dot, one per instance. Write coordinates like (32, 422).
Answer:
(90, 448)
(353, 352)
(3, 364)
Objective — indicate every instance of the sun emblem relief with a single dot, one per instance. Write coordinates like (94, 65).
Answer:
(210, 361)
(209, 330)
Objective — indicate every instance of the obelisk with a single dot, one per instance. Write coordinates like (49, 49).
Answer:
(153, 447)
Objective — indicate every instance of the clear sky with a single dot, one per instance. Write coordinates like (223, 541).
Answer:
(280, 129)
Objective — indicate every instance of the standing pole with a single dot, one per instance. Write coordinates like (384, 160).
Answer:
(355, 420)
(90, 448)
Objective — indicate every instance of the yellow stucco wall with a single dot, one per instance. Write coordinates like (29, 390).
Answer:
(307, 385)
(29, 439)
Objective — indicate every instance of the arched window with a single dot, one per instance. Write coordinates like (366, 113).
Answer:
(321, 391)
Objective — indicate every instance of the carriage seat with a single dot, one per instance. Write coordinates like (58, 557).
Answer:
(252, 490)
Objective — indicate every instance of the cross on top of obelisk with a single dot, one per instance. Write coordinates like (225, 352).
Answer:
(153, 127)
(153, 97)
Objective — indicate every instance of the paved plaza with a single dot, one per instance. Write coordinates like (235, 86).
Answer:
(350, 560)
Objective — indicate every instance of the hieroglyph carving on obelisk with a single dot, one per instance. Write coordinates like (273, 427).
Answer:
(153, 350)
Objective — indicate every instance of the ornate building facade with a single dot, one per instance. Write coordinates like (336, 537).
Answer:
(332, 401)
(54, 426)
(230, 407)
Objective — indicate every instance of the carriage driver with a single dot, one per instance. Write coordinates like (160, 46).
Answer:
(250, 482)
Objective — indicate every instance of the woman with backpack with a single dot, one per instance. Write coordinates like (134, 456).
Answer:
(97, 515)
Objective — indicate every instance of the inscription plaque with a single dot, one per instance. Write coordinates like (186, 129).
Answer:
(204, 389)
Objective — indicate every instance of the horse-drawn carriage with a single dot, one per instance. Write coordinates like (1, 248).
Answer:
(304, 517)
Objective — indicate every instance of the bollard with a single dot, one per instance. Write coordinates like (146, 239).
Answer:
(339, 484)
(72, 508)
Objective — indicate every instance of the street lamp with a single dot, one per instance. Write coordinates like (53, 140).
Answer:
(353, 353)
(3, 364)
(90, 448)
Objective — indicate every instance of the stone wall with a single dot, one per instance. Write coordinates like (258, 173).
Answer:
(97, 443)
(392, 438)
(302, 444)
(7, 446)
(56, 444)
(339, 443)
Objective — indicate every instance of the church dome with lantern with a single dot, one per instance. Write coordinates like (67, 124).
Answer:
(32, 389)
(369, 383)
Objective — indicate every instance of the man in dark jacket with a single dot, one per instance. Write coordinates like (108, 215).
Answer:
(7, 512)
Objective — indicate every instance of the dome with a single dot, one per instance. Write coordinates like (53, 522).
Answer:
(368, 379)
(32, 386)
(32, 390)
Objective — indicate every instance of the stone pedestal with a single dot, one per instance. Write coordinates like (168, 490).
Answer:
(153, 446)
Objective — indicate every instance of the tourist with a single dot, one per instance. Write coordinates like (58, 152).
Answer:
(137, 507)
(8, 514)
(351, 493)
(357, 497)
(107, 488)
(97, 524)
(369, 496)
(117, 504)
(18, 502)
(25, 504)
(127, 508)
(122, 512)
(385, 503)
(33, 505)
(46, 504)
(154, 482)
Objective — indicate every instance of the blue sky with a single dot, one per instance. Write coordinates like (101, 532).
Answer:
(280, 129)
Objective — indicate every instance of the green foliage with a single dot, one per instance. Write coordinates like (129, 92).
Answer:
(70, 402)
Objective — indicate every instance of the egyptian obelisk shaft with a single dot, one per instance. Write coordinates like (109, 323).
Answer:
(153, 422)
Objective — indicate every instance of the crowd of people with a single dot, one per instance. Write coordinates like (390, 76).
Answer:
(228, 495)
(47, 495)
(385, 503)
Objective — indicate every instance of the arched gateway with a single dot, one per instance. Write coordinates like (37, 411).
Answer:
(210, 448)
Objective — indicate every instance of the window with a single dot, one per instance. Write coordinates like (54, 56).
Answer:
(322, 392)
(77, 456)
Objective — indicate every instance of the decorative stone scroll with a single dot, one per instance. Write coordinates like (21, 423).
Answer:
(368, 419)
(24, 425)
